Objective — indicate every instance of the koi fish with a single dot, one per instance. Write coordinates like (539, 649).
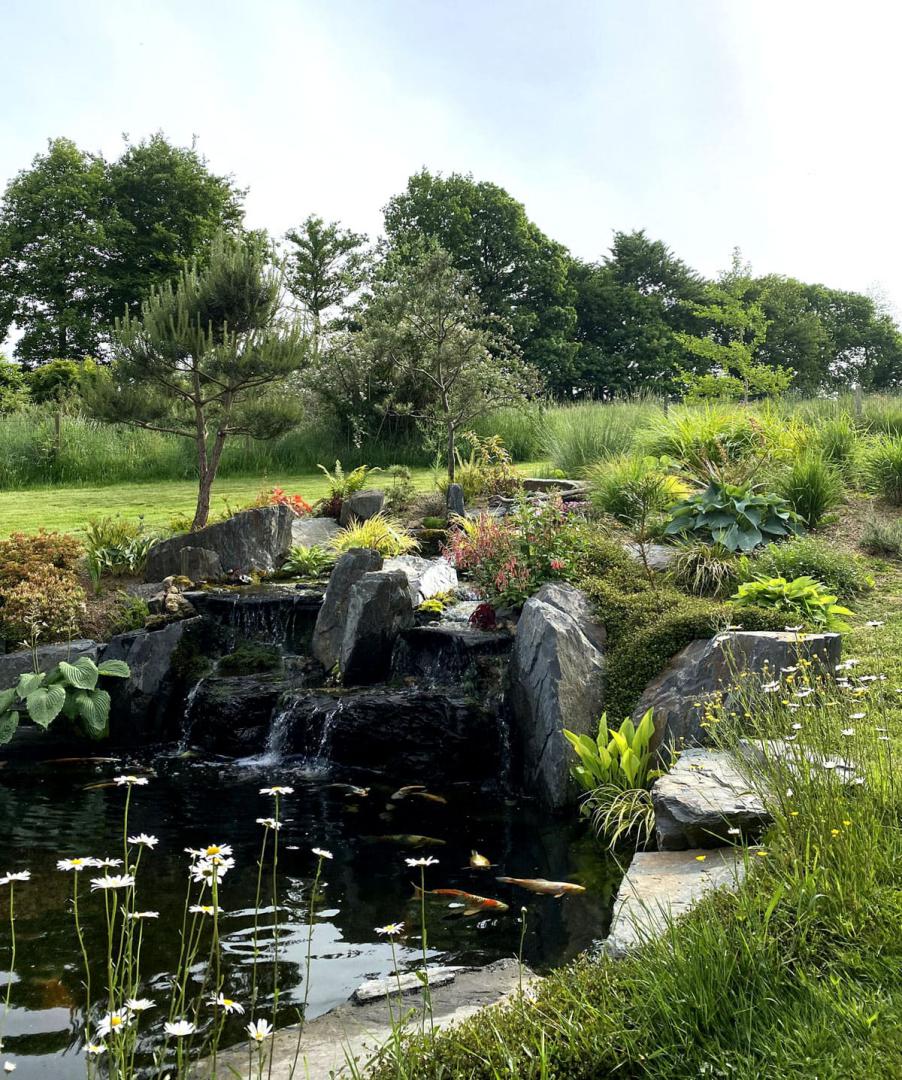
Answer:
(479, 862)
(407, 840)
(430, 797)
(541, 885)
(403, 792)
(352, 789)
(82, 760)
(472, 904)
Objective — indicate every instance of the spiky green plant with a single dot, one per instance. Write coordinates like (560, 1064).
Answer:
(380, 532)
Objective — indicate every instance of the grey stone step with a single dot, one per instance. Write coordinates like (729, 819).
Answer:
(660, 886)
(703, 800)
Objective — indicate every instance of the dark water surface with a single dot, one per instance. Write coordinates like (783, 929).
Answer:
(48, 811)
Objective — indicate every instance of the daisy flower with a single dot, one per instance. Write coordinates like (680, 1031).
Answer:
(259, 1030)
(180, 1028)
(118, 881)
(390, 929)
(95, 1049)
(143, 915)
(276, 789)
(108, 862)
(321, 853)
(204, 909)
(136, 781)
(205, 870)
(211, 851)
(17, 875)
(226, 1003)
(79, 863)
(8, 1066)
(136, 1005)
(143, 840)
(269, 823)
(428, 861)
(115, 1021)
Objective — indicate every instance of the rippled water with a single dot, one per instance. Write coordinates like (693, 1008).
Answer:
(49, 810)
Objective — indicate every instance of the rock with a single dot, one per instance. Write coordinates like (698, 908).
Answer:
(427, 577)
(564, 488)
(141, 704)
(361, 506)
(354, 1032)
(233, 714)
(705, 667)
(658, 556)
(701, 799)
(330, 623)
(659, 886)
(443, 653)
(255, 539)
(455, 500)
(170, 603)
(199, 564)
(556, 681)
(313, 531)
(379, 608)
(275, 614)
(14, 664)
(374, 989)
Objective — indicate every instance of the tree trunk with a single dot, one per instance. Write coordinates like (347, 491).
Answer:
(202, 513)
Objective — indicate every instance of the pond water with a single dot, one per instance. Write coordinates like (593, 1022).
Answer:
(54, 809)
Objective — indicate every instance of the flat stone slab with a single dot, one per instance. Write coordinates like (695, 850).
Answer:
(703, 800)
(374, 989)
(660, 886)
(358, 1031)
(313, 531)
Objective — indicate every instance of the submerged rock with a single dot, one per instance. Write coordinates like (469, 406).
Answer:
(556, 681)
(710, 666)
(330, 623)
(255, 539)
(660, 886)
(375, 989)
(701, 799)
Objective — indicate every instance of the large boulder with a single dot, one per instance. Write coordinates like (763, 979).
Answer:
(706, 801)
(426, 577)
(556, 681)
(455, 501)
(141, 704)
(255, 539)
(361, 506)
(200, 564)
(711, 666)
(379, 608)
(313, 531)
(14, 664)
(330, 623)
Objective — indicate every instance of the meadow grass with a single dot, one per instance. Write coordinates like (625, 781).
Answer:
(797, 975)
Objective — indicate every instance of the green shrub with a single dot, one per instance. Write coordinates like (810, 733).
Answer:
(837, 441)
(618, 757)
(883, 469)
(488, 470)
(116, 546)
(401, 492)
(802, 600)
(620, 485)
(130, 613)
(308, 562)
(813, 488)
(379, 532)
(704, 569)
(342, 485)
(733, 516)
(809, 556)
(882, 538)
(39, 589)
(701, 436)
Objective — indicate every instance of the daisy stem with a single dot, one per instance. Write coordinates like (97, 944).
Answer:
(12, 957)
(275, 910)
(311, 916)
(427, 996)
(84, 955)
(256, 944)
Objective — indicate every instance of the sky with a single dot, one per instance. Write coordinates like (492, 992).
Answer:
(771, 125)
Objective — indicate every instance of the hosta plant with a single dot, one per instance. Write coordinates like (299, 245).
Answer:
(618, 757)
(308, 562)
(67, 688)
(734, 516)
(805, 601)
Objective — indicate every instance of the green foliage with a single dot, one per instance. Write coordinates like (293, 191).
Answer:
(67, 688)
(616, 756)
(812, 486)
(622, 816)
(577, 436)
(435, 605)
(13, 393)
(39, 589)
(703, 436)
(703, 569)
(519, 274)
(802, 600)
(342, 485)
(207, 358)
(250, 659)
(117, 546)
(56, 381)
(402, 491)
(883, 469)
(326, 265)
(734, 517)
(487, 470)
(379, 532)
(621, 486)
(130, 613)
(308, 562)
(882, 538)
(802, 556)
(837, 441)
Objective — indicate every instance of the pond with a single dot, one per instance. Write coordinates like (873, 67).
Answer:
(57, 808)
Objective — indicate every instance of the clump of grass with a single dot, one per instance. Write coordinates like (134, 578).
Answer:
(882, 538)
(883, 469)
(616, 483)
(580, 435)
(704, 569)
(808, 556)
(379, 532)
(813, 488)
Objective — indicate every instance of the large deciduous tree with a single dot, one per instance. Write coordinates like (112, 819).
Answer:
(519, 273)
(83, 239)
(207, 358)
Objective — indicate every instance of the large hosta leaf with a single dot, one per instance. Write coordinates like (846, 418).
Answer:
(9, 721)
(82, 674)
(93, 709)
(45, 704)
(31, 680)
(117, 668)
(7, 697)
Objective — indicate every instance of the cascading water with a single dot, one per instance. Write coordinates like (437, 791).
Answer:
(187, 717)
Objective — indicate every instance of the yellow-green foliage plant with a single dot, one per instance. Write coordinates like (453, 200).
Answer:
(380, 532)
(616, 756)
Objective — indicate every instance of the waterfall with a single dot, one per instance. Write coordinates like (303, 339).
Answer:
(277, 738)
(186, 715)
(320, 756)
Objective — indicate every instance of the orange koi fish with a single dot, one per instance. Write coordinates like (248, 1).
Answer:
(473, 905)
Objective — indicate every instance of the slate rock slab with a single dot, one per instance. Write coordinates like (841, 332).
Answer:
(330, 623)
(660, 886)
(556, 681)
(361, 506)
(14, 664)
(701, 799)
(255, 539)
(313, 531)
(379, 608)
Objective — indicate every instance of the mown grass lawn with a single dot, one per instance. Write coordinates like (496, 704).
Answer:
(69, 508)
